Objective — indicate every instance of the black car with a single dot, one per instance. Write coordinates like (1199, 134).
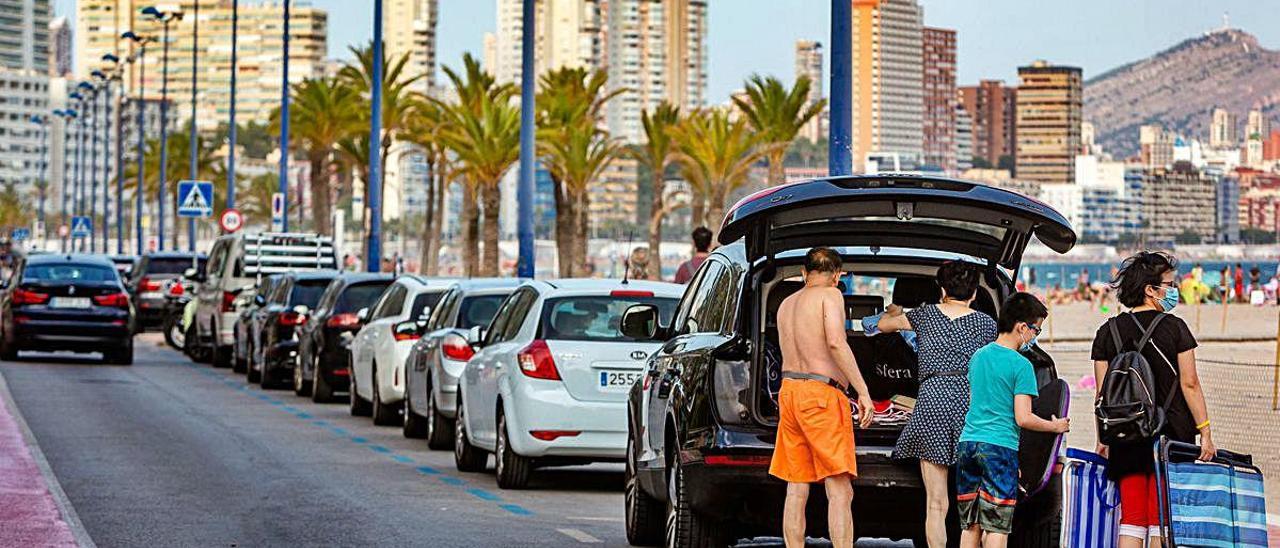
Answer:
(245, 304)
(323, 356)
(67, 302)
(149, 279)
(274, 323)
(124, 265)
(702, 422)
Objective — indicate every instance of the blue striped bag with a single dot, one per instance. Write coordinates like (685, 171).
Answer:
(1091, 501)
(1215, 504)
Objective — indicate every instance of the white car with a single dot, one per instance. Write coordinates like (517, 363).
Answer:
(378, 351)
(549, 382)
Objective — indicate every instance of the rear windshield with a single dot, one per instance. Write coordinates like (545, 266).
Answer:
(172, 265)
(69, 272)
(595, 318)
(479, 310)
(359, 296)
(424, 301)
(307, 292)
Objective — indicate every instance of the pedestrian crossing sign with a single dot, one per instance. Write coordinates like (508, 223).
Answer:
(21, 233)
(195, 198)
(81, 227)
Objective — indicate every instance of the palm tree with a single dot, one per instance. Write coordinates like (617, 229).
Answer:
(575, 151)
(716, 155)
(777, 115)
(426, 130)
(208, 168)
(323, 112)
(15, 210)
(253, 197)
(657, 152)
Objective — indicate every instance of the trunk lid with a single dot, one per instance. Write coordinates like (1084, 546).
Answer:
(600, 371)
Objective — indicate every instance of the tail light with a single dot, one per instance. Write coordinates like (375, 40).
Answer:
(228, 298)
(550, 435)
(630, 293)
(343, 320)
(737, 460)
(148, 284)
(536, 361)
(176, 290)
(456, 348)
(406, 331)
(118, 300)
(290, 319)
(26, 296)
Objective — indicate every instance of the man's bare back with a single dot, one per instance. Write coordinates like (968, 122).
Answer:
(803, 322)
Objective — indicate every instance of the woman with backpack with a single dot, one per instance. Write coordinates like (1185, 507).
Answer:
(1147, 285)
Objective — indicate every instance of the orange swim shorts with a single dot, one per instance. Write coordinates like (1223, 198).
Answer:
(815, 433)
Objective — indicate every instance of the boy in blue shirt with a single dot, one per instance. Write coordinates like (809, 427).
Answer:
(1001, 384)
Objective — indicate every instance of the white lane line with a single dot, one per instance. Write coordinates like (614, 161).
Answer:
(595, 518)
(579, 536)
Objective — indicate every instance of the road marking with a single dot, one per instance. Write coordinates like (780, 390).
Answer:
(481, 493)
(579, 536)
(595, 518)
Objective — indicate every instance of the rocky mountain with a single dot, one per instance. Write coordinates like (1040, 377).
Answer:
(1178, 88)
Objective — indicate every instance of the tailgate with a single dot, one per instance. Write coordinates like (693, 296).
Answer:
(600, 371)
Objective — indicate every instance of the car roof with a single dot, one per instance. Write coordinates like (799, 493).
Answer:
(484, 284)
(589, 286)
(313, 274)
(80, 258)
(173, 254)
(361, 277)
(429, 282)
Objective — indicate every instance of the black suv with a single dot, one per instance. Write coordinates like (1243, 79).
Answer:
(702, 422)
(323, 356)
(147, 281)
(273, 325)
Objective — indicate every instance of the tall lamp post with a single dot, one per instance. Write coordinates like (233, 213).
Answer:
(77, 203)
(231, 137)
(164, 17)
(840, 140)
(89, 185)
(374, 260)
(104, 174)
(43, 122)
(193, 142)
(284, 125)
(141, 42)
(524, 191)
(117, 75)
(67, 115)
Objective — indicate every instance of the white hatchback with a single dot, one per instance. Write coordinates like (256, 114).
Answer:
(548, 385)
(378, 351)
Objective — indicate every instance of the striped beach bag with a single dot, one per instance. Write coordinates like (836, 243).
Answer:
(1090, 500)
(1216, 504)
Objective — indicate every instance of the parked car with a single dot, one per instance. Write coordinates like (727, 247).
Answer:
(124, 265)
(389, 329)
(548, 385)
(702, 424)
(236, 262)
(149, 279)
(275, 322)
(432, 368)
(244, 305)
(66, 303)
(324, 340)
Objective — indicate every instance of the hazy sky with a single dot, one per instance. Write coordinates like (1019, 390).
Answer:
(994, 36)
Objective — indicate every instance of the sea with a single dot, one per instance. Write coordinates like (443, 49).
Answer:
(1049, 274)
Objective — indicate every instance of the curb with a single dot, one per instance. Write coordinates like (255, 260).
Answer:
(51, 481)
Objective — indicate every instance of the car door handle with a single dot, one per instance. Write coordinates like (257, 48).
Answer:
(665, 383)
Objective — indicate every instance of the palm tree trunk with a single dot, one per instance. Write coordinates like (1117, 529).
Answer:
(428, 219)
(565, 221)
(655, 225)
(777, 172)
(698, 208)
(580, 237)
(491, 256)
(470, 229)
(714, 213)
(437, 222)
(320, 194)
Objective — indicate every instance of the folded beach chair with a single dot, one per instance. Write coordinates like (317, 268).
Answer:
(1090, 502)
(1219, 503)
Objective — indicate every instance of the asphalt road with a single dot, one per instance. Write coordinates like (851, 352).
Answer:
(170, 453)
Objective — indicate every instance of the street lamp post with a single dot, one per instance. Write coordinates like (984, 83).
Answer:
(77, 198)
(283, 183)
(94, 172)
(67, 116)
(840, 140)
(44, 165)
(524, 192)
(374, 260)
(193, 142)
(165, 17)
(119, 102)
(231, 150)
(142, 107)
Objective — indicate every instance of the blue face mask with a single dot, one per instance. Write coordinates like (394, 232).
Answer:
(1170, 299)
(1026, 346)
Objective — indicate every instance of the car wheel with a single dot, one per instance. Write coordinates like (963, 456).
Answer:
(359, 406)
(684, 527)
(123, 355)
(513, 470)
(383, 414)
(221, 356)
(301, 387)
(174, 335)
(239, 362)
(321, 392)
(643, 512)
(439, 427)
(8, 351)
(415, 426)
(466, 457)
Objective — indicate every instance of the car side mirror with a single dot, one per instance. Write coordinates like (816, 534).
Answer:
(302, 310)
(405, 330)
(640, 322)
(193, 274)
(476, 336)
(259, 300)
(363, 314)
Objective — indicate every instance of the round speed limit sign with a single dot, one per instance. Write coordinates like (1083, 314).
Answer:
(231, 220)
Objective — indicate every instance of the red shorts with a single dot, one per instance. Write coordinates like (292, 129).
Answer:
(1139, 506)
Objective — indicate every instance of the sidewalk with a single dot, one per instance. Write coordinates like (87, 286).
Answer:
(29, 513)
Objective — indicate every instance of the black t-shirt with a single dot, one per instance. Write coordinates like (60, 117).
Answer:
(1172, 337)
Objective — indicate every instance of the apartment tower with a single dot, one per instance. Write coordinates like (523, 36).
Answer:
(59, 48)
(940, 98)
(809, 63)
(24, 67)
(992, 107)
(656, 50)
(1049, 105)
(888, 88)
(568, 34)
(1223, 129)
(409, 27)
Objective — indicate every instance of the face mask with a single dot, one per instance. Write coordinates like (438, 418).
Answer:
(1170, 299)
(1026, 346)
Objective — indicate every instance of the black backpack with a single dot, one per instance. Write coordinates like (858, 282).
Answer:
(1126, 410)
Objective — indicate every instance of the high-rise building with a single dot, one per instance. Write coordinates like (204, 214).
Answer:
(964, 140)
(99, 24)
(1223, 129)
(1049, 105)
(1177, 200)
(568, 34)
(409, 26)
(1156, 145)
(940, 98)
(490, 58)
(1257, 126)
(656, 50)
(24, 34)
(59, 48)
(809, 64)
(24, 67)
(993, 107)
(888, 92)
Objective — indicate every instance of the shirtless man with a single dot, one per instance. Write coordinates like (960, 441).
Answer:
(815, 430)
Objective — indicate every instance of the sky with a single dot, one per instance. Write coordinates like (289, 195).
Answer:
(994, 36)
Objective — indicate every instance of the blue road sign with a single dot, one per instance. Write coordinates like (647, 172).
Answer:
(195, 198)
(20, 234)
(81, 227)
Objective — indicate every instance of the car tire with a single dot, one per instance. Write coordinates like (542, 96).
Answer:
(174, 335)
(466, 457)
(301, 387)
(252, 375)
(221, 356)
(359, 406)
(684, 527)
(513, 470)
(321, 392)
(8, 351)
(415, 426)
(383, 414)
(439, 427)
(643, 513)
(122, 355)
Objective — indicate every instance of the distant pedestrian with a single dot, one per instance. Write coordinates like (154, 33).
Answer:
(1241, 297)
(638, 264)
(701, 248)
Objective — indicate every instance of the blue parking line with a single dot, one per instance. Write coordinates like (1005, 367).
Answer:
(482, 494)
(428, 470)
(379, 449)
(402, 458)
(453, 481)
(339, 431)
(515, 509)
(358, 439)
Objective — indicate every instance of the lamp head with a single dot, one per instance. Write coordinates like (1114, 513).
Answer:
(98, 74)
(153, 12)
(75, 95)
(130, 35)
(59, 112)
(71, 113)
(85, 86)
(109, 58)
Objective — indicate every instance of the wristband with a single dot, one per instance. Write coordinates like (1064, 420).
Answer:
(1203, 425)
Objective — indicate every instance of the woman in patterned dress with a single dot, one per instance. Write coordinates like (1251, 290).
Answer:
(947, 335)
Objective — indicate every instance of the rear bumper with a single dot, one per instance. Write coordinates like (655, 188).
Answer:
(602, 426)
(280, 357)
(75, 336)
(151, 306)
(334, 364)
(226, 329)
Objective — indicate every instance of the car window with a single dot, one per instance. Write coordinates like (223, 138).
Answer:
(216, 258)
(691, 292)
(595, 317)
(497, 328)
(442, 309)
(280, 292)
(391, 303)
(422, 302)
(357, 296)
(173, 265)
(706, 312)
(330, 295)
(306, 292)
(69, 272)
(518, 314)
(478, 310)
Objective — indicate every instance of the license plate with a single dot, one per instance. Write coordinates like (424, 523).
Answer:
(618, 381)
(69, 302)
